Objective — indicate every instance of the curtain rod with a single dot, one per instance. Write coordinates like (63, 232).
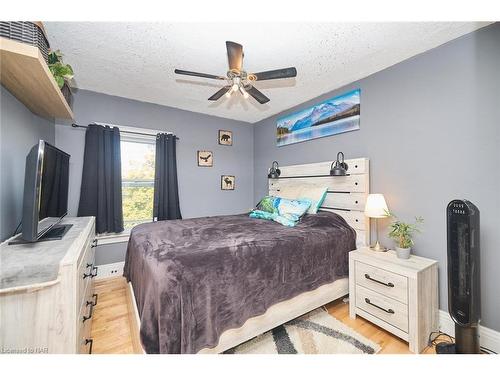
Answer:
(121, 131)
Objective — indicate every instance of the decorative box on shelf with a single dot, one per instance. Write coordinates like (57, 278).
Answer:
(31, 33)
(399, 295)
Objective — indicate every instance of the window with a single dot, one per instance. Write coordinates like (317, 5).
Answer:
(138, 171)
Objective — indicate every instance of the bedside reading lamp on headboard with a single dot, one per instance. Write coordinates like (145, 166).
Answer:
(274, 172)
(339, 167)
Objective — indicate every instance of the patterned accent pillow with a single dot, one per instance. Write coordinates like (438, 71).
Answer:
(284, 211)
(316, 194)
(293, 209)
(258, 214)
(266, 204)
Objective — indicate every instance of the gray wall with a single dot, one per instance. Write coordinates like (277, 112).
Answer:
(20, 129)
(431, 128)
(199, 187)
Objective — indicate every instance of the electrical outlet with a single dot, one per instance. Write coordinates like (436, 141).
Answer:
(110, 270)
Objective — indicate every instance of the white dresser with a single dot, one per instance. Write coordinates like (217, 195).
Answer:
(47, 293)
(399, 295)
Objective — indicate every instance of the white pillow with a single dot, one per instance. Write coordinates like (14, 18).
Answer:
(314, 193)
(290, 192)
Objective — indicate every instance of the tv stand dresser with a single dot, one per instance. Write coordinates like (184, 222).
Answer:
(47, 292)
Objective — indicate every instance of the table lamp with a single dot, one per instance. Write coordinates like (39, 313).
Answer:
(376, 208)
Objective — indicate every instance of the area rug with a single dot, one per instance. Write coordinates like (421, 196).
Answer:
(314, 333)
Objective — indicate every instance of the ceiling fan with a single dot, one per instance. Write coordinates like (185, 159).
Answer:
(238, 79)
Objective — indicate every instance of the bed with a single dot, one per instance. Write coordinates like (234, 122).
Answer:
(204, 285)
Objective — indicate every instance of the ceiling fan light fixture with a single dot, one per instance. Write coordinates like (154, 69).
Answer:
(240, 80)
(244, 92)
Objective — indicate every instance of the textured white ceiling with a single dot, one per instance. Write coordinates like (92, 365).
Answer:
(137, 60)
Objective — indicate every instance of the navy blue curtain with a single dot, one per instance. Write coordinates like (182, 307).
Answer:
(101, 190)
(166, 193)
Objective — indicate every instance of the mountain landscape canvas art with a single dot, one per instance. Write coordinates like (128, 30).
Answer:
(333, 116)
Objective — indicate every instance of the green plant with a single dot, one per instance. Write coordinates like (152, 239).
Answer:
(62, 72)
(402, 232)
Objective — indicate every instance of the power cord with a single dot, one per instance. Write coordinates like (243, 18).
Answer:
(432, 342)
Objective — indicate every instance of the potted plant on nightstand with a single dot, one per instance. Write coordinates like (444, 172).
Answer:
(403, 233)
(63, 74)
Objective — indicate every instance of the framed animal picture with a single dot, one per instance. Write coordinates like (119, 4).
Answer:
(205, 159)
(225, 137)
(227, 182)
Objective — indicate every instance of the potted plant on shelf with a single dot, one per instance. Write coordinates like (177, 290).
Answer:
(63, 74)
(403, 233)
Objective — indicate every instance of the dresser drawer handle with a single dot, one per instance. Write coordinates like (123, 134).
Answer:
(94, 302)
(91, 342)
(85, 318)
(91, 266)
(390, 311)
(94, 271)
(94, 243)
(390, 285)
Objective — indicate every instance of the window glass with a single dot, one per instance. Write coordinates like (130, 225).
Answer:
(138, 171)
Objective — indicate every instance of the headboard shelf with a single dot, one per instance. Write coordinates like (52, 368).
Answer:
(346, 194)
(323, 175)
(357, 183)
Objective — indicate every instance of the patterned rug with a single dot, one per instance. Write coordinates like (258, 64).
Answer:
(314, 333)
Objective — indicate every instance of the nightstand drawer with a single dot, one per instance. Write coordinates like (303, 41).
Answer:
(387, 283)
(387, 309)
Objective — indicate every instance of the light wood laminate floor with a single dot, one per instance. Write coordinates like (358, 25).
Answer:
(112, 335)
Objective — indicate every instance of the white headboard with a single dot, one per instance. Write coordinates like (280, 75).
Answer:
(346, 194)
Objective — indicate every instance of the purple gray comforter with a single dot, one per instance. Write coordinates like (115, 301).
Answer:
(194, 279)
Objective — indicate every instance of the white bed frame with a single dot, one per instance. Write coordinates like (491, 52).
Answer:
(346, 197)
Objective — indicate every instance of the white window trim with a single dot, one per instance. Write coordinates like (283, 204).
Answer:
(136, 137)
(110, 238)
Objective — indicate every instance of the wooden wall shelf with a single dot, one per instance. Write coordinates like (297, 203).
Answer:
(24, 72)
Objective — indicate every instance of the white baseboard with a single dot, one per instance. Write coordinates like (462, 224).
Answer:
(489, 339)
(110, 270)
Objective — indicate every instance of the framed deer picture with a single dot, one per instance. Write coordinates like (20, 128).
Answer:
(227, 182)
(205, 159)
(225, 137)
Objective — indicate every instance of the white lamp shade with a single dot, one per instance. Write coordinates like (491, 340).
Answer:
(375, 206)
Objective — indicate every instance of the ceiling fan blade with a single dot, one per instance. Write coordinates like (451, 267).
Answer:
(219, 93)
(276, 74)
(259, 96)
(234, 55)
(196, 74)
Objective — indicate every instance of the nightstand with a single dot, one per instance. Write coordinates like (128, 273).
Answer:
(398, 295)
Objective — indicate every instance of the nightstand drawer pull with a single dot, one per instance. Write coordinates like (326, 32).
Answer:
(390, 285)
(390, 311)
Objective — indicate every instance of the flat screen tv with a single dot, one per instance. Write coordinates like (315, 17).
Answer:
(45, 200)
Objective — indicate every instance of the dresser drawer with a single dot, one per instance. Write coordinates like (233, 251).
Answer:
(387, 309)
(84, 332)
(387, 283)
(85, 274)
(85, 316)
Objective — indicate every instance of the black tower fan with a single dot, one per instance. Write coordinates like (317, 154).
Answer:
(464, 301)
